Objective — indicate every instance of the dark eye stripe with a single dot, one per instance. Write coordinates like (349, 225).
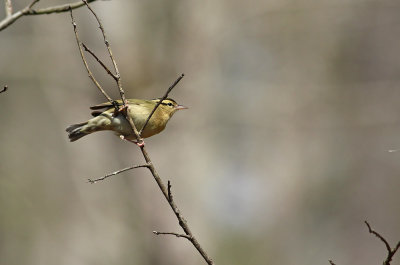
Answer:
(167, 104)
(169, 100)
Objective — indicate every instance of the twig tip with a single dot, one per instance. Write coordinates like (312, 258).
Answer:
(4, 89)
(368, 225)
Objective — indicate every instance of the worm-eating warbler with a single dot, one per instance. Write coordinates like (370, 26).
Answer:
(105, 118)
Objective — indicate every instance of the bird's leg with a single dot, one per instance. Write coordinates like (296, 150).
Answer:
(139, 143)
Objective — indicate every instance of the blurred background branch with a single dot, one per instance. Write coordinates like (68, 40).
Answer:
(29, 11)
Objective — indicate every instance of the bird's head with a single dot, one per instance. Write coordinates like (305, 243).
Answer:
(169, 105)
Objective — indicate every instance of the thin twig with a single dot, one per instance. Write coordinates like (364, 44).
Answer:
(32, 4)
(85, 63)
(378, 236)
(8, 7)
(162, 99)
(117, 75)
(28, 11)
(390, 251)
(4, 89)
(99, 61)
(116, 173)
(331, 262)
(172, 233)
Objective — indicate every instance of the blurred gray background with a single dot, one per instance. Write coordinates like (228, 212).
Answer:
(281, 157)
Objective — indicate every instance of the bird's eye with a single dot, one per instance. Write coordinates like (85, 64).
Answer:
(170, 104)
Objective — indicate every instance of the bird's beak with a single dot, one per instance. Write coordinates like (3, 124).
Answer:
(180, 107)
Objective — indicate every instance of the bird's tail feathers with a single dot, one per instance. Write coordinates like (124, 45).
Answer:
(75, 131)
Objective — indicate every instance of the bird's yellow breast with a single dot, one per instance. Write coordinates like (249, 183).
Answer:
(139, 114)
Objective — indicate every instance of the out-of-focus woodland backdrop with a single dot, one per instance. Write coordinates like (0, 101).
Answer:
(281, 157)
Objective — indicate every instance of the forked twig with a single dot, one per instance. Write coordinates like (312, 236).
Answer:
(117, 75)
(390, 251)
(99, 61)
(85, 62)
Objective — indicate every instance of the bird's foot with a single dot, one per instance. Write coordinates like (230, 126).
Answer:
(139, 143)
(119, 108)
(123, 108)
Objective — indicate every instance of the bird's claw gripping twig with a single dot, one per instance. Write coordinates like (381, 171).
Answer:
(139, 143)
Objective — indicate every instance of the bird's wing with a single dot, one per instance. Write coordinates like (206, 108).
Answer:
(105, 105)
(96, 113)
(100, 108)
(108, 105)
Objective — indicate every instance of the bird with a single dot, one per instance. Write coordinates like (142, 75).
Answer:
(106, 117)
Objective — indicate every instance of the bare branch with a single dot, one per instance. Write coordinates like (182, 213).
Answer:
(175, 209)
(8, 7)
(4, 89)
(92, 181)
(85, 63)
(28, 11)
(167, 194)
(174, 234)
(99, 61)
(163, 98)
(390, 251)
(169, 191)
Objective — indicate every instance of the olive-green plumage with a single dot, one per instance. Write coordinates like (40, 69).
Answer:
(138, 109)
